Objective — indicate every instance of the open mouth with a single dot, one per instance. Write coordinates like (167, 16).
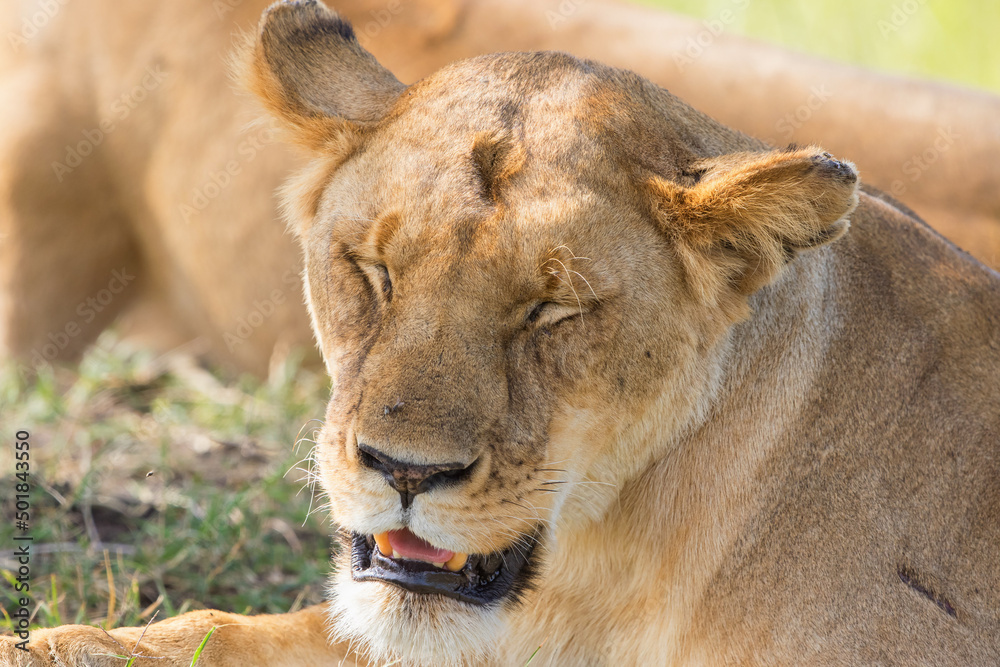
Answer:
(401, 558)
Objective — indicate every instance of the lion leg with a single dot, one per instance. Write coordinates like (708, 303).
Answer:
(276, 640)
(67, 260)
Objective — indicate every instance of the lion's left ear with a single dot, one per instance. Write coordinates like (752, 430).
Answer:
(750, 213)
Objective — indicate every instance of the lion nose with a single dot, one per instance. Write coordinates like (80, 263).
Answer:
(409, 479)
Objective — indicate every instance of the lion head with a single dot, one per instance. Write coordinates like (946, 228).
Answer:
(521, 271)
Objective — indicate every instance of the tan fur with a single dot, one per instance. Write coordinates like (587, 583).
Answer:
(772, 442)
(285, 640)
(205, 264)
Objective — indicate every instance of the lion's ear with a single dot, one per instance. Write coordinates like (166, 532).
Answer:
(308, 69)
(750, 213)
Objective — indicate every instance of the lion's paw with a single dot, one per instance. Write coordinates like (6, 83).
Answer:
(75, 646)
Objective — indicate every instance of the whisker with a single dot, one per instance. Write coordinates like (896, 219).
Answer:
(566, 248)
(579, 304)
(298, 436)
(591, 481)
(307, 457)
(502, 559)
(584, 279)
(511, 502)
(522, 519)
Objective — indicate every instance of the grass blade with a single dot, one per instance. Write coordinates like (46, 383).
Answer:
(197, 654)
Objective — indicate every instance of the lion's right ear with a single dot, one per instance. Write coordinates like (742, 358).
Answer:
(308, 69)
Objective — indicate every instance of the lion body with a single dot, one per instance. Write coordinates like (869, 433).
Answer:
(768, 439)
(807, 523)
(822, 529)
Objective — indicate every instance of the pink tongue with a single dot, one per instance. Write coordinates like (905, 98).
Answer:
(407, 545)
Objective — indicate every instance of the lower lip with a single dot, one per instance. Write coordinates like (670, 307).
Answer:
(367, 564)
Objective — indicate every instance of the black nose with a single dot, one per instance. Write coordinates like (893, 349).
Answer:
(409, 479)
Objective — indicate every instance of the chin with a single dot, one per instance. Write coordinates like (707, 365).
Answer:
(386, 623)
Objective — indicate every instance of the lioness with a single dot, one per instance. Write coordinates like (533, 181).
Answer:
(612, 384)
(124, 152)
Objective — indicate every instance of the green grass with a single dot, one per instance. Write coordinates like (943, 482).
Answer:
(939, 39)
(201, 647)
(160, 488)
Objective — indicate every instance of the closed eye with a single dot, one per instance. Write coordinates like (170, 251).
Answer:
(536, 312)
(377, 275)
(551, 312)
